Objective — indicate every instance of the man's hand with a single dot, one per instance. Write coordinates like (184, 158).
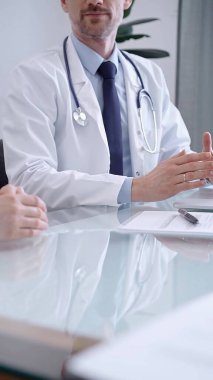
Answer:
(21, 215)
(179, 173)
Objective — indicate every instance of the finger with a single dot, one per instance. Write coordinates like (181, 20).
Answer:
(197, 166)
(193, 157)
(207, 142)
(33, 200)
(8, 190)
(190, 185)
(20, 190)
(181, 153)
(33, 223)
(192, 176)
(26, 233)
(34, 212)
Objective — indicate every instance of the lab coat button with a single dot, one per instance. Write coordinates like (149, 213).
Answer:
(139, 132)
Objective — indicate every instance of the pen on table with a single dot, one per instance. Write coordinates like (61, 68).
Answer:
(189, 217)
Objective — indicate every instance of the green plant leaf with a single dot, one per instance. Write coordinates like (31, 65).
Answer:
(125, 32)
(149, 53)
(127, 27)
(125, 37)
(138, 22)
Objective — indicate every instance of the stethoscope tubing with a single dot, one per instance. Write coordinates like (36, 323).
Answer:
(69, 74)
(139, 77)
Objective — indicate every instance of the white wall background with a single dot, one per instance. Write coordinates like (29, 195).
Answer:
(28, 26)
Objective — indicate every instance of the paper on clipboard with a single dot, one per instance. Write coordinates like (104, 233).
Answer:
(201, 199)
(171, 223)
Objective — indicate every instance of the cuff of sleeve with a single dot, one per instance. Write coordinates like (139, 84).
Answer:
(124, 195)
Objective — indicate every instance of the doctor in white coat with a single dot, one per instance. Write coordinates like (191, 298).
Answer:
(50, 154)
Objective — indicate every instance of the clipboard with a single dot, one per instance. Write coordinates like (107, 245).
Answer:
(170, 223)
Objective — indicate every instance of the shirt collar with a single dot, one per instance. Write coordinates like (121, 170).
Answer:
(89, 58)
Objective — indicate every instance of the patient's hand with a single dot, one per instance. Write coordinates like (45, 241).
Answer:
(21, 215)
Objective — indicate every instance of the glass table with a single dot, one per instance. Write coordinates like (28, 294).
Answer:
(83, 282)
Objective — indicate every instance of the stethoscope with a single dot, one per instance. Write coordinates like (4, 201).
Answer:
(80, 116)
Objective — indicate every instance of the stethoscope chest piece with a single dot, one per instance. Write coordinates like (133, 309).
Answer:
(80, 117)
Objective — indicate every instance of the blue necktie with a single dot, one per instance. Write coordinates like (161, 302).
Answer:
(112, 117)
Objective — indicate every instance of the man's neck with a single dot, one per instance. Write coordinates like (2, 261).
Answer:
(103, 47)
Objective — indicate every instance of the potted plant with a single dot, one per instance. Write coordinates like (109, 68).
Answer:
(126, 32)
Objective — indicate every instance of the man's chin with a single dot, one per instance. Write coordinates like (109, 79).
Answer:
(96, 31)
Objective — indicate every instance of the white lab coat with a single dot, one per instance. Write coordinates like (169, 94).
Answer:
(66, 164)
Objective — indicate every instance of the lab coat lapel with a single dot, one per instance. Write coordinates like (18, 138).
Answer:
(84, 90)
(132, 86)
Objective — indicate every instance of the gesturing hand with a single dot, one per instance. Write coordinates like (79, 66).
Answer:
(179, 173)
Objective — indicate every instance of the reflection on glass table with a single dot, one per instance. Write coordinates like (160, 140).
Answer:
(85, 279)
